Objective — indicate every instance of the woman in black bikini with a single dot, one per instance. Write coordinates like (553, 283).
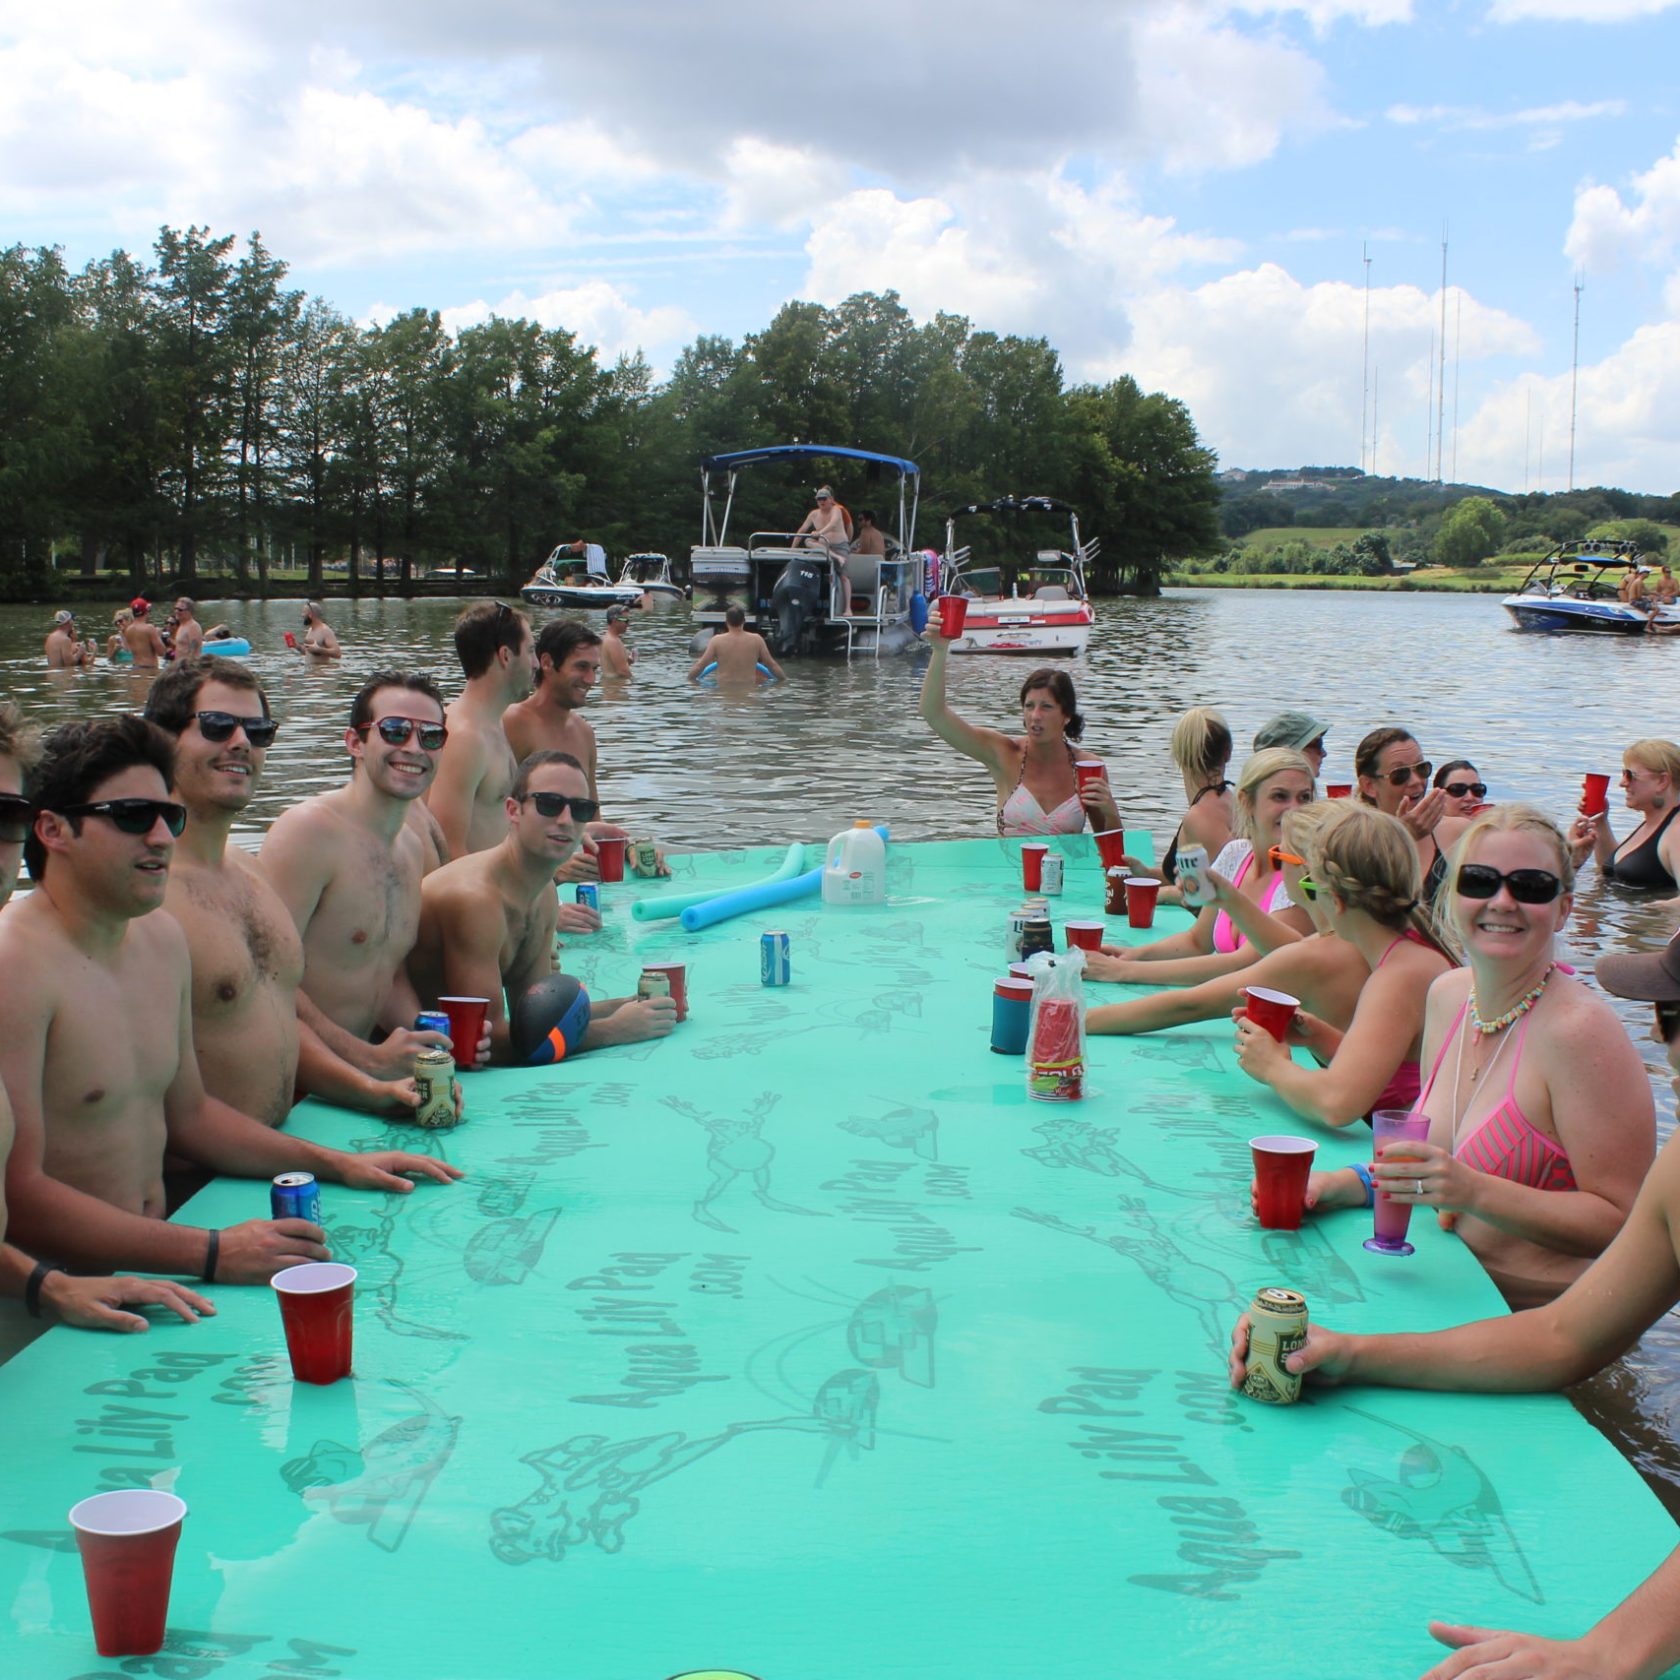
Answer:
(1394, 776)
(1650, 856)
(1201, 748)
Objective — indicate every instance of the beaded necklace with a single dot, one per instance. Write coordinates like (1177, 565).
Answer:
(1517, 1010)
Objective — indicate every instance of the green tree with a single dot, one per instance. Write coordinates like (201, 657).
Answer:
(1472, 530)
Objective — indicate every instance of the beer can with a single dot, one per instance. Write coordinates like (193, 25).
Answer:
(1193, 880)
(1277, 1327)
(1114, 890)
(1037, 936)
(653, 984)
(643, 857)
(432, 1020)
(1050, 876)
(1017, 925)
(434, 1073)
(775, 967)
(589, 896)
(295, 1195)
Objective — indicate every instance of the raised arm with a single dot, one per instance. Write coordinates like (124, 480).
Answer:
(992, 749)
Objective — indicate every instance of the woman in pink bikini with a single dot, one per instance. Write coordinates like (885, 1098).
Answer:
(1363, 875)
(1541, 1121)
(1037, 791)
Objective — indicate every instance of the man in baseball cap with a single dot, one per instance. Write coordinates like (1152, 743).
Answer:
(1300, 730)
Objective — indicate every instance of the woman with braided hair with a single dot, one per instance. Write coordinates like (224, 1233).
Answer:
(1362, 872)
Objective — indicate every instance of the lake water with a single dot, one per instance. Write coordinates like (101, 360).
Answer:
(800, 760)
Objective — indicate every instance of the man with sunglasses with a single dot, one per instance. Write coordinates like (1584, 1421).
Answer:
(247, 958)
(96, 1046)
(347, 865)
(488, 920)
(320, 641)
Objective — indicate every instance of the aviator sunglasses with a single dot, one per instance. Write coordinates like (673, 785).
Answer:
(15, 815)
(132, 816)
(1459, 790)
(552, 804)
(1526, 886)
(1398, 778)
(396, 730)
(217, 727)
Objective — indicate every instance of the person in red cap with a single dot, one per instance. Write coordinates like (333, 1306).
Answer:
(142, 638)
(1626, 1290)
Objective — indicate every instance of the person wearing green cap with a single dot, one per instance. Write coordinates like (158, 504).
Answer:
(1300, 730)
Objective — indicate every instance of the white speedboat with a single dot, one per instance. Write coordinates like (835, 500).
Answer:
(651, 575)
(1042, 606)
(1576, 589)
(552, 586)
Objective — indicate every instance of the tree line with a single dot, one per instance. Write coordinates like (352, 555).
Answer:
(192, 416)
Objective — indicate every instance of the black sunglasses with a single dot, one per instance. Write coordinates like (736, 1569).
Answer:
(1458, 790)
(552, 804)
(1526, 886)
(1398, 778)
(396, 730)
(217, 727)
(133, 816)
(16, 814)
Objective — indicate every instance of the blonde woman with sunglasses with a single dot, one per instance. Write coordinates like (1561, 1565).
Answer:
(1650, 856)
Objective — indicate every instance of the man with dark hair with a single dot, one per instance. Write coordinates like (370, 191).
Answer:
(247, 958)
(347, 865)
(616, 654)
(738, 653)
(469, 798)
(488, 920)
(96, 1046)
(142, 638)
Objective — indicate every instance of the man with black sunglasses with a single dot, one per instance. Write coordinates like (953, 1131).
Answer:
(96, 1045)
(488, 920)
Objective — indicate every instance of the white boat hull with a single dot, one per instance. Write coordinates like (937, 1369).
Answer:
(1008, 627)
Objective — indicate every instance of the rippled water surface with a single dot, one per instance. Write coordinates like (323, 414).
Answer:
(799, 760)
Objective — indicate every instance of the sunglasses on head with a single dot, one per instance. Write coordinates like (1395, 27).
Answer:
(396, 730)
(16, 814)
(1526, 886)
(1462, 790)
(552, 804)
(133, 816)
(1423, 770)
(217, 727)
(1280, 857)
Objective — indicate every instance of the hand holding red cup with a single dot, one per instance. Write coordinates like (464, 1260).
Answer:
(1272, 1010)
(609, 857)
(1595, 795)
(953, 612)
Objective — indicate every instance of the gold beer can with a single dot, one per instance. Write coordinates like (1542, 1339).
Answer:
(1277, 1327)
(643, 857)
(434, 1073)
(653, 984)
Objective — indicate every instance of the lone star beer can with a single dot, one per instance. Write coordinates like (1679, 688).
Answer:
(1277, 1327)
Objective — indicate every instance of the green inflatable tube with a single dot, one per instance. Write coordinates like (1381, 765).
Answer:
(669, 905)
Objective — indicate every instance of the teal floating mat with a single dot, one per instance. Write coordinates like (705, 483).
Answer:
(802, 1343)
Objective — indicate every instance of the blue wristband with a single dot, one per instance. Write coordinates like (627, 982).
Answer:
(1364, 1175)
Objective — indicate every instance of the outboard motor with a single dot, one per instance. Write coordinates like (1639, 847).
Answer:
(796, 598)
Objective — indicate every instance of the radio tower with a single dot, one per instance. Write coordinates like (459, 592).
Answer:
(1365, 375)
(1574, 377)
(1441, 383)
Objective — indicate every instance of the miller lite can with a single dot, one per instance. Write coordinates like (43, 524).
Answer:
(434, 1073)
(775, 966)
(1277, 1327)
(295, 1195)
(589, 896)
(1193, 880)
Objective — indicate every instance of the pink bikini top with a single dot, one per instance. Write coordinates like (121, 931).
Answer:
(1227, 936)
(1506, 1142)
(1021, 812)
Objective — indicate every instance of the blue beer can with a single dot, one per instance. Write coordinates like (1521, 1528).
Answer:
(775, 965)
(589, 896)
(295, 1195)
(432, 1020)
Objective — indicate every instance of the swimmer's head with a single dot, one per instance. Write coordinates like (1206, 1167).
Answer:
(735, 617)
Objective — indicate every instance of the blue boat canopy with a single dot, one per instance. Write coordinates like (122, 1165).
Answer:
(797, 451)
(1016, 504)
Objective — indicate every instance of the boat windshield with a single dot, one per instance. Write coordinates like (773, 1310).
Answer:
(645, 568)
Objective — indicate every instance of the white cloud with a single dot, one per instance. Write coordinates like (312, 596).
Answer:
(1645, 227)
(1472, 117)
(597, 312)
(1576, 11)
(782, 185)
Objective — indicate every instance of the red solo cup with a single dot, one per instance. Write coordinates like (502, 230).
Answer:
(1271, 1010)
(609, 859)
(1338, 790)
(315, 1307)
(1018, 987)
(1056, 1031)
(1088, 770)
(1140, 900)
(1032, 864)
(953, 611)
(127, 1541)
(1111, 847)
(1020, 971)
(1281, 1168)
(677, 974)
(1595, 795)
(1085, 936)
(291, 640)
(466, 1027)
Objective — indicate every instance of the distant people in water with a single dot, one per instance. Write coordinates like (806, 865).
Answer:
(1394, 776)
(741, 656)
(142, 638)
(1650, 856)
(617, 656)
(63, 649)
(319, 642)
(189, 633)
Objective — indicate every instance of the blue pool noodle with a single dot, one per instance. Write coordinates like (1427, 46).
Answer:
(668, 905)
(760, 896)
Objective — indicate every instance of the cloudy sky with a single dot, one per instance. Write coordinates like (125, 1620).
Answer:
(1182, 190)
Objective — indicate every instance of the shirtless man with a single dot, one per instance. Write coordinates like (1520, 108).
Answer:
(319, 642)
(469, 797)
(1667, 588)
(62, 649)
(347, 865)
(488, 920)
(142, 638)
(617, 656)
(870, 539)
(91, 1303)
(96, 1045)
(739, 652)
(189, 633)
(1625, 1291)
(247, 959)
(825, 525)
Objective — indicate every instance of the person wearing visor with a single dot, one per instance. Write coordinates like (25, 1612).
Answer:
(826, 525)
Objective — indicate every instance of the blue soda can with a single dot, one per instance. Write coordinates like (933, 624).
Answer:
(295, 1196)
(589, 896)
(775, 965)
(432, 1020)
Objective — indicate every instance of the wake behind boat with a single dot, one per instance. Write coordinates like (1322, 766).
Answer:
(1042, 608)
(1577, 588)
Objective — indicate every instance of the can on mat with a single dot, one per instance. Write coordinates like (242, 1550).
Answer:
(1037, 936)
(432, 1020)
(653, 984)
(295, 1195)
(643, 857)
(775, 963)
(434, 1073)
(589, 896)
(1050, 876)
(1277, 1327)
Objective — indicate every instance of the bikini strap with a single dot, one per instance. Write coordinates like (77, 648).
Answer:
(1401, 940)
(1441, 1054)
(1511, 1079)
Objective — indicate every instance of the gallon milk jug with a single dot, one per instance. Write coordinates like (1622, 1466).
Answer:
(855, 871)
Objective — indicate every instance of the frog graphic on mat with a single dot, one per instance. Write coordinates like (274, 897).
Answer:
(738, 1146)
(901, 1127)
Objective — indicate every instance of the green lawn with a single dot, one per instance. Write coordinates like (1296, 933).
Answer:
(1326, 536)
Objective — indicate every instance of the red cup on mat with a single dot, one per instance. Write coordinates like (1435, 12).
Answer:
(1141, 894)
(1088, 770)
(609, 859)
(1271, 1010)
(953, 613)
(1281, 1168)
(1032, 864)
(466, 1027)
(1084, 936)
(127, 1540)
(1111, 847)
(1338, 790)
(677, 974)
(1595, 795)
(316, 1309)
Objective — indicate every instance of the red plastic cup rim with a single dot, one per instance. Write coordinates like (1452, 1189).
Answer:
(1013, 988)
(313, 1277)
(1282, 1144)
(127, 1511)
(1086, 927)
(1035, 846)
(1109, 834)
(1266, 995)
(1140, 882)
(665, 968)
(444, 1002)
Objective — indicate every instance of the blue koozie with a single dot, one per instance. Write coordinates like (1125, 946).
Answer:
(1011, 1011)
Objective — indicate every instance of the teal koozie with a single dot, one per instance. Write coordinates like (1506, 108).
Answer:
(1011, 1012)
